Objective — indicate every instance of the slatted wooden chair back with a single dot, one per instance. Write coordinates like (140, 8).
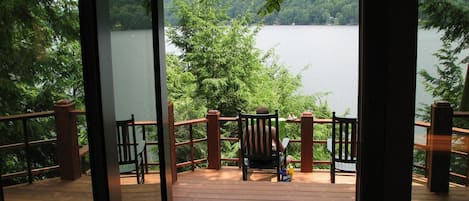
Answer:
(126, 141)
(130, 150)
(258, 144)
(344, 145)
(345, 135)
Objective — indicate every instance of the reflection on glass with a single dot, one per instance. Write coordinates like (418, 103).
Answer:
(440, 77)
(134, 97)
(43, 142)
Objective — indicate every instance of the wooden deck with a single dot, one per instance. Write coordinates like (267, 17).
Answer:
(227, 185)
(224, 184)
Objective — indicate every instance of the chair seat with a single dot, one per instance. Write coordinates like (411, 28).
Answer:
(342, 145)
(262, 164)
(130, 149)
(126, 168)
(346, 167)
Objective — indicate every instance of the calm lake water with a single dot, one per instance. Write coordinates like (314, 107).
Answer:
(325, 56)
(330, 55)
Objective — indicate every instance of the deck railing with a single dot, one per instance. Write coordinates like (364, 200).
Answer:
(147, 130)
(308, 124)
(191, 142)
(306, 141)
(231, 137)
(61, 139)
(457, 133)
(27, 144)
(209, 134)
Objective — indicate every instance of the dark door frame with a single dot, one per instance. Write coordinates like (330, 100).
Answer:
(95, 30)
(161, 93)
(99, 98)
(387, 76)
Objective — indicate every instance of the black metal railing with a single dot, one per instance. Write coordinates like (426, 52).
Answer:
(457, 133)
(25, 146)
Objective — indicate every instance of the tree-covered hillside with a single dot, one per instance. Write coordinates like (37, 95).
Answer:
(129, 14)
(303, 12)
(299, 12)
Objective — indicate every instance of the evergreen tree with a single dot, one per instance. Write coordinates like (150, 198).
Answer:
(218, 67)
(447, 84)
(451, 18)
(40, 59)
(220, 63)
(40, 63)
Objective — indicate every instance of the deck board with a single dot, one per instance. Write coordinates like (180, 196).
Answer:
(224, 184)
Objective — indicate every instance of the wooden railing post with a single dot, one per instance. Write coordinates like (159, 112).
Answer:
(307, 142)
(213, 140)
(67, 140)
(439, 147)
(172, 139)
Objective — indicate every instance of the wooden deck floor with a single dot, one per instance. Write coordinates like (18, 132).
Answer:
(223, 185)
(226, 185)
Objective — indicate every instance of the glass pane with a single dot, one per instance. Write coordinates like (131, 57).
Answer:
(441, 74)
(46, 143)
(216, 61)
(134, 94)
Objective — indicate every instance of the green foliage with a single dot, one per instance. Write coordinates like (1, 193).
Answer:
(301, 12)
(270, 6)
(130, 14)
(419, 159)
(305, 12)
(450, 17)
(218, 67)
(181, 86)
(448, 83)
(40, 63)
(219, 57)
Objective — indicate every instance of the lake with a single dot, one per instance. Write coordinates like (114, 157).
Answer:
(330, 54)
(326, 57)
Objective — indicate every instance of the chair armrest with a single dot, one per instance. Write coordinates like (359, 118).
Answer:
(329, 145)
(141, 146)
(285, 142)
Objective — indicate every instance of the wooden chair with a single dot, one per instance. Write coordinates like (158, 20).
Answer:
(343, 145)
(130, 150)
(260, 147)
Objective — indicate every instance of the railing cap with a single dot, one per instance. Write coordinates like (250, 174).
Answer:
(213, 112)
(307, 114)
(64, 103)
(442, 103)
